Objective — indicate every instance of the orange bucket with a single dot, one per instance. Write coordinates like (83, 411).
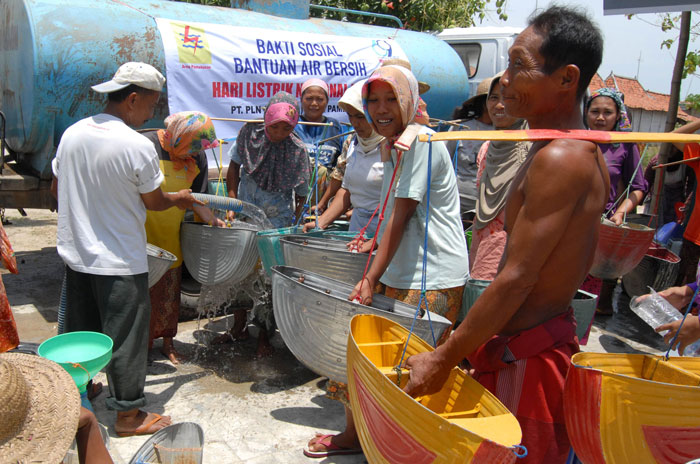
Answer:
(620, 248)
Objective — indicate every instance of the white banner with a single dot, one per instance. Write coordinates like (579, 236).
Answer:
(231, 72)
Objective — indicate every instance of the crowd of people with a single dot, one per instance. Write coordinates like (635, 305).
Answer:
(534, 210)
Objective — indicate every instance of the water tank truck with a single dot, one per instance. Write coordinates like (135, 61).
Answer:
(51, 51)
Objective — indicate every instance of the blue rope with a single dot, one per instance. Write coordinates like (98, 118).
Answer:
(313, 190)
(687, 311)
(523, 451)
(316, 183)
(454, 157)
(424, 276)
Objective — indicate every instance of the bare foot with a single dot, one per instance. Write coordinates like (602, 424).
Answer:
(265, 349)
(137, 422)
(170, 352)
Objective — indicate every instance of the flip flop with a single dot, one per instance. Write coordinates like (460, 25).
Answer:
(143, 428)
(331, 449)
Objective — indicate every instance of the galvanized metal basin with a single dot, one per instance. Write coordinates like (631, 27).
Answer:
(159, 261)
(326, 256)
(216, 254)
(313, 315)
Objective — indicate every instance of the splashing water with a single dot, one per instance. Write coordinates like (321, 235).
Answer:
(257, 286)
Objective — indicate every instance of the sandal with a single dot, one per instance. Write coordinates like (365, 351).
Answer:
(331, 449)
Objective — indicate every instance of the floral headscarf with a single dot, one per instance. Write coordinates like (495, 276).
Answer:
(405, 87)
(275, 167)
(186, 134)
(352, 99)
(623, 123)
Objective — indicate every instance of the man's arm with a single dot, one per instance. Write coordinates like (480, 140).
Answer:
(552, 188)
(689, 128)
(157, 200)
(54, 187)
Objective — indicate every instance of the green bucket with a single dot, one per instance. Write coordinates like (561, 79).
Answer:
(472, 290)
(82, 354)
(468, 234)
(269, 244)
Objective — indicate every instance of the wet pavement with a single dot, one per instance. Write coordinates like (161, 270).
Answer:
(252, 411)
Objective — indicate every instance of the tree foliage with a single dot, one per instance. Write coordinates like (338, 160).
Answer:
(670, 23)
(692, 102)
(417, 15)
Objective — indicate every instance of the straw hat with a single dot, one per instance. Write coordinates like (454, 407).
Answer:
(39, 409)
(483, 89)
(422, 86)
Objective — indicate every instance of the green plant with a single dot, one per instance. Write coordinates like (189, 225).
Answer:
(417, 15)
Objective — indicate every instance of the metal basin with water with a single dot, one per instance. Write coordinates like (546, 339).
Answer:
(325, 256)
(313, 316)
(216, 254)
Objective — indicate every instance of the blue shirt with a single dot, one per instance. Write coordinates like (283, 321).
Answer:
(328, 151)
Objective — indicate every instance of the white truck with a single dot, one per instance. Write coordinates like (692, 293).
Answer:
(483, 50)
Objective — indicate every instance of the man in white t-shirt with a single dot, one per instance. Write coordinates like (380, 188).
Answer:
(105, 177)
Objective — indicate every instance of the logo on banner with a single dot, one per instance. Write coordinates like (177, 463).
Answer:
(192, 45)
(382, 48)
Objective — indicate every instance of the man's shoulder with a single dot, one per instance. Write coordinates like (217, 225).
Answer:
(565, 158)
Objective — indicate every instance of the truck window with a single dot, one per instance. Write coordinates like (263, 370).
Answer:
(469, 54)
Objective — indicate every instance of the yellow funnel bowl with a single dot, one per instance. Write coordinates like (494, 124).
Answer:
(463, 422)
(633, 408)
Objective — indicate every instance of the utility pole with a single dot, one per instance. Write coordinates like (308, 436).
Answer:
(639, 61)
(672, 105)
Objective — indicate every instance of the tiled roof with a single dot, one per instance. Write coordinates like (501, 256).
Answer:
(636, 96)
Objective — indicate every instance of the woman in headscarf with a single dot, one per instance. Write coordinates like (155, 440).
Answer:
(314, 101)
(606, 111)
(269, 168)
(180, 147)
(498, 162)
(362, 171)
(269, 164)
(390, 101)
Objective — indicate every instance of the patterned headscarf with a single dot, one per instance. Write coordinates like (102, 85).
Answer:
(405, 87)
(352, 99)
(623, 123)
(186, 134)
(275, 167)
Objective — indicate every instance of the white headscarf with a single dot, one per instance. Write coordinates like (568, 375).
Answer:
(352, 98)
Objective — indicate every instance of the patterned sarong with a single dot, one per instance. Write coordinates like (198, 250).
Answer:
(526, 372)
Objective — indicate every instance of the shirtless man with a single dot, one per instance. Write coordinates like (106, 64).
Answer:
(520, 334)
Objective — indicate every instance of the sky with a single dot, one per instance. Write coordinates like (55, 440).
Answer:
(631, 47)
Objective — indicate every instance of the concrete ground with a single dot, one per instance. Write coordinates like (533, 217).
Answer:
(252, 411)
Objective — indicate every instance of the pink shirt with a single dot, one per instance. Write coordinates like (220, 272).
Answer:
(489, 243)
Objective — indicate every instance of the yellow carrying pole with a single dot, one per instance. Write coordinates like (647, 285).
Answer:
(303, 123)
(550, 134)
